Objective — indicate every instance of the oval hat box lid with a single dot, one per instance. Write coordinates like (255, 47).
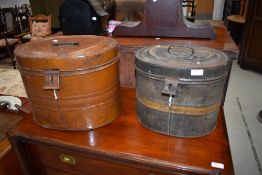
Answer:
(66, 52)
(181, 61)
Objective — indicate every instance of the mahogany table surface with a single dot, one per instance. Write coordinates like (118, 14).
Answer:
(126, 140)
(223, 41)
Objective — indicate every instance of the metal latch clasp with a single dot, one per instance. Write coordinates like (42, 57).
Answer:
(170, 87)
(51, 79)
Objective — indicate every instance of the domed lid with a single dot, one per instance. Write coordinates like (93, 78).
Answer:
(181, 61)
(181, 56)
(66, 52)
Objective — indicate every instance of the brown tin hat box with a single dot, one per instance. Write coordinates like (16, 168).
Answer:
(71, 81)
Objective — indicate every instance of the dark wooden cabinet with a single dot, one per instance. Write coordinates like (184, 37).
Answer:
(122, 147)
(251, 48)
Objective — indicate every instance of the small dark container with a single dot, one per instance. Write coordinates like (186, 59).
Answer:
(179, 88)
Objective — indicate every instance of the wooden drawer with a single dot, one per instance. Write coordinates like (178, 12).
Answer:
(51, 171)
(52, 160)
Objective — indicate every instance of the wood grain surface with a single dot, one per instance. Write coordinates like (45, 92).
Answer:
(223, 41)
(123, 143)
(7, 121)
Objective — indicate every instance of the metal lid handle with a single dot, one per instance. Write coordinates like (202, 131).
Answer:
(181, 51)
(56, 44)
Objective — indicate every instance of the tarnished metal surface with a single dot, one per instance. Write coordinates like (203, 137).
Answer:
(71, 81)
(179, 88)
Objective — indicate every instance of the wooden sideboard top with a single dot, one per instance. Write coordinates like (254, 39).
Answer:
(223, 41)
(126, 140)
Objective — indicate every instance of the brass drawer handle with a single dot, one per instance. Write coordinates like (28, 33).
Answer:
(67, 159)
